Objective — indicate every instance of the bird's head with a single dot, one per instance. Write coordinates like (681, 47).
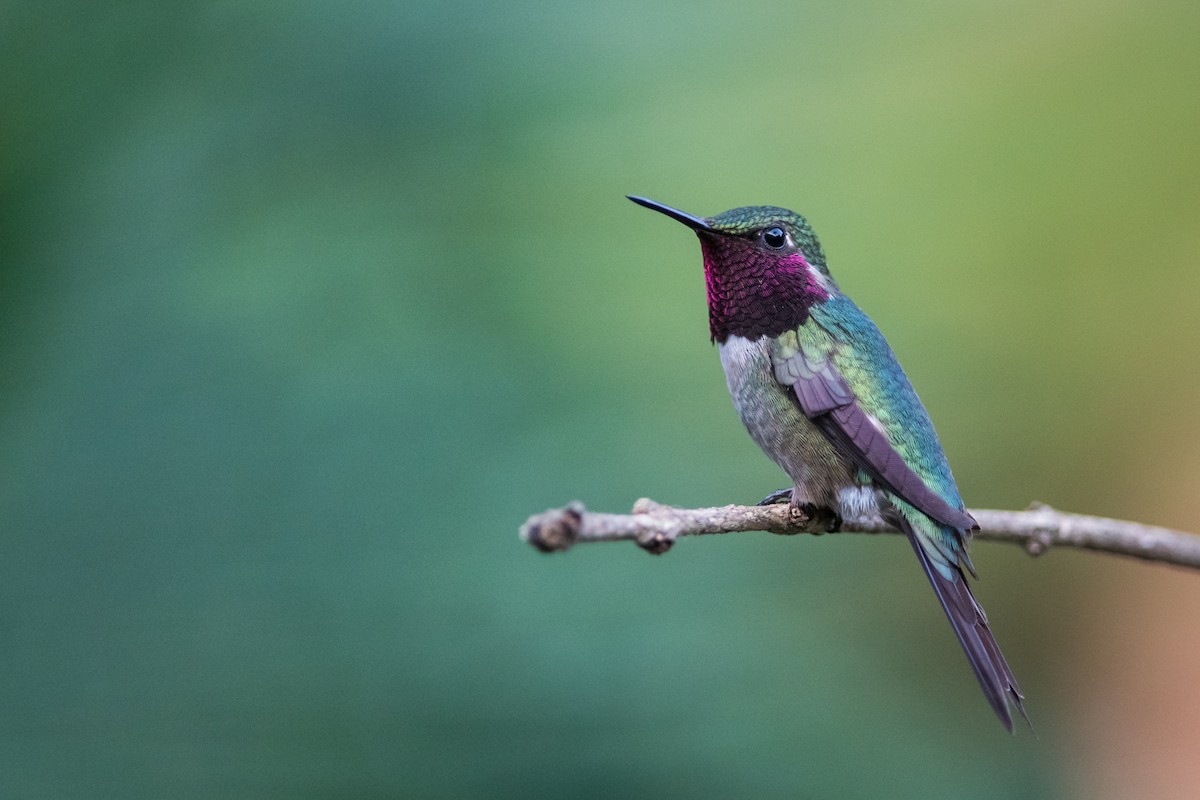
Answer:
(763, 268)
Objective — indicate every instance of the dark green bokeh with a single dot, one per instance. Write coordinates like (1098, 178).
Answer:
(304, 307)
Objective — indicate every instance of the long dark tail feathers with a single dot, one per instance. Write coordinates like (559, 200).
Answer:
(970, 625)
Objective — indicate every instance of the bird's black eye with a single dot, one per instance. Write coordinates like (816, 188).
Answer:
(775, 237)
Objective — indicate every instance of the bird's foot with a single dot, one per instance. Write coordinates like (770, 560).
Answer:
(774, 498)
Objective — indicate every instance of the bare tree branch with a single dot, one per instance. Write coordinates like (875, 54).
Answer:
(655, 528)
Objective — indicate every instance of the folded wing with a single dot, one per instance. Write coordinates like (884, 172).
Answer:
(827, 400)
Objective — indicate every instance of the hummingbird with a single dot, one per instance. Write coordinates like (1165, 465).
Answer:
(820, 391)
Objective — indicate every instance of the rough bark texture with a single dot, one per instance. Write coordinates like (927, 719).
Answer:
(655, 527)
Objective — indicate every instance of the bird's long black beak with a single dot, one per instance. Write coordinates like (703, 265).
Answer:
(695, 223)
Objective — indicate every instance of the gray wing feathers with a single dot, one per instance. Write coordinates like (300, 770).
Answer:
(818, 384)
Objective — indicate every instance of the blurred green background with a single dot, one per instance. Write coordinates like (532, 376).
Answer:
(304, 307)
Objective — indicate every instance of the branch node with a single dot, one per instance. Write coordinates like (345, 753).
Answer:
(808, 518)
(797, 520)
(1039, 541)
(556, 529)
(655, 542)
(644, 505)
